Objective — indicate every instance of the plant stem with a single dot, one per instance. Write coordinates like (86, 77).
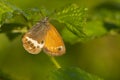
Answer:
(55, 62)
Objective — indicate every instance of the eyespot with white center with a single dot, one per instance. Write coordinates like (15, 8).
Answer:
(60, 48)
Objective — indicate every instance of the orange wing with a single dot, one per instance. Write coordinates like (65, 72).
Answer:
(53, 42)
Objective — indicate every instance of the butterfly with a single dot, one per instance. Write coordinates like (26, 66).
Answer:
(43, 36)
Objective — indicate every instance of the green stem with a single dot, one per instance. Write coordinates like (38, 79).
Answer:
(55, 62)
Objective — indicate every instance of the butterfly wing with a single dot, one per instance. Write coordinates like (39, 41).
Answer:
(53, 42)
(33, 40)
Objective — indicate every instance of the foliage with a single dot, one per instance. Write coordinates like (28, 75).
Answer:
(74, 17)
(4, 76)
(72, 74)
(79, 23)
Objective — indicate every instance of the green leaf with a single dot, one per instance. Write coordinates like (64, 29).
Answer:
(6, 8)
(109, 14)
(94, 29)
(74, 17)
(72, 38)
(13, 24)
(4, 76)
(12, 20)
(103, 21)
(33, 14)
(80, 27)
(72, 74)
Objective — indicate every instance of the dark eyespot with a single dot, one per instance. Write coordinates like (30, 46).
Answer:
(38, 47)
(26, 39)
(29, 42)
(59, 48)
(33, 47)
(42, 42)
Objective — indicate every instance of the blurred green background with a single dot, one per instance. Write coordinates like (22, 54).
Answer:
(100, 56)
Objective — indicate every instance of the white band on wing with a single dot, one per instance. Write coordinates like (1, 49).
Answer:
(36, 44)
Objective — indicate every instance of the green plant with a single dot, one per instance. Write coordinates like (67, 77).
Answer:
(78, 24)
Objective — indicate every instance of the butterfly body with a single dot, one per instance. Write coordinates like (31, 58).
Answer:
(44, 36)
